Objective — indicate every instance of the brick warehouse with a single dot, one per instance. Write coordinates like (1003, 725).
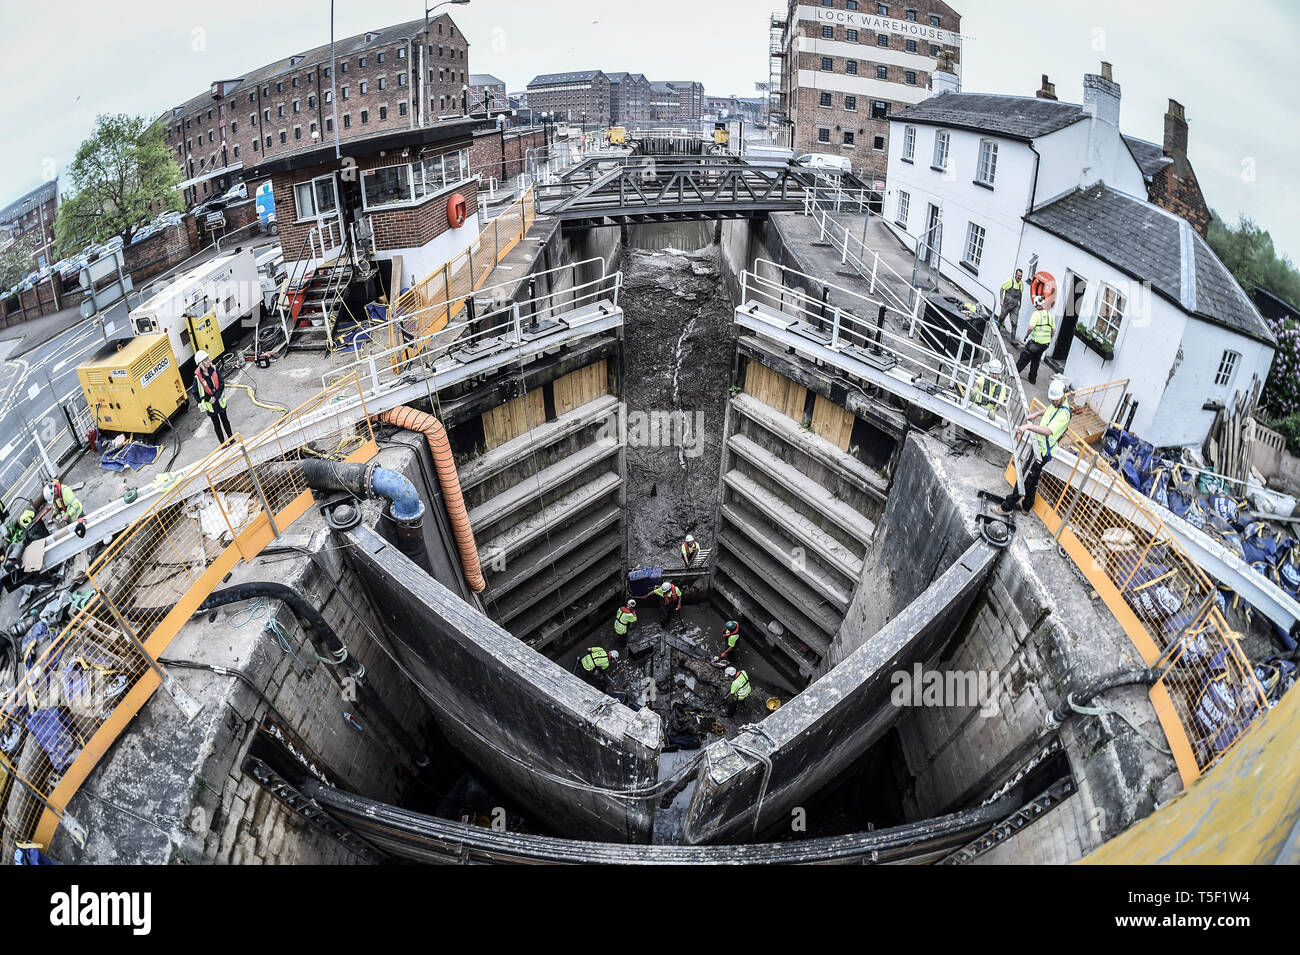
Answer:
(578, 97)
(279, 108)
(395, 184)
(849, 64)
(31, 219)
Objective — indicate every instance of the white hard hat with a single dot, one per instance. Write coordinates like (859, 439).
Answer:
(613, 654)
(200, 356)
(1039, 301)
(49, 492)
(994, 367)
(1056, 390)
(690, 539)
(731, 671)
(631, 603)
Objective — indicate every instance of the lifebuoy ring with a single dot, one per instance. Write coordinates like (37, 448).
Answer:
(1043, 284)
(457, 210)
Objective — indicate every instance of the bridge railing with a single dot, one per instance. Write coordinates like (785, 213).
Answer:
(80, 687)
(929, 355)
(1166, 604)
(505, 324)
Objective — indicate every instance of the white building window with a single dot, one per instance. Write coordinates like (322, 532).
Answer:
(940, 150)
(1110, 314)
(1227, 365)
(909, 143)
(974, 246)
(904, 208)
(988, 162)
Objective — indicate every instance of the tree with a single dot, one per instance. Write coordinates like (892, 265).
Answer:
(15, 262)
(1248, 252)
(117, 174)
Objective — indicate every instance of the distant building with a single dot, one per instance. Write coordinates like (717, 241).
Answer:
(629, 99)
(579, 97)
(486, 93)
(388, 79)
(846, 66)
(31, 219)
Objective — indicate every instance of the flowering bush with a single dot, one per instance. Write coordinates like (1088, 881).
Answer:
(1281, 394)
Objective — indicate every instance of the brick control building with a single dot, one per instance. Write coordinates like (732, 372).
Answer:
(384, 79)
(629, 99)
(849, 64)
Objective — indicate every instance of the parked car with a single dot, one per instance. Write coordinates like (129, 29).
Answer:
(825, 162)
(114, 243)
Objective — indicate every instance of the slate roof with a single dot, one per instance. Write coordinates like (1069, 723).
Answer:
(550, 79)
(1151, 244)
(38, 196)
(1016, 117)
(485, 79)
(1150, 157)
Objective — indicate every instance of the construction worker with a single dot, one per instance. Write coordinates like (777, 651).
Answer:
(1042, 326)
(595, 661)
(64, 505)
(1012, 289)
(672, 595)
(16, 529)
(690, 550)
(1047, 436)
(739, 690)
(730, 633)
(626, 615)
(210, 392)
(988, 390)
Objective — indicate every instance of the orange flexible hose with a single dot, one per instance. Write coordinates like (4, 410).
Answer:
(413, 419)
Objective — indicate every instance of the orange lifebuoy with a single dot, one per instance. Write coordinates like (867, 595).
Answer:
(457, 210)
(1043, 284)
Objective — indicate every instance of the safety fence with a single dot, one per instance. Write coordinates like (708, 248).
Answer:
(436, 299)
(505, 323)
(79, 688)
(49, 430)
(1209, 694)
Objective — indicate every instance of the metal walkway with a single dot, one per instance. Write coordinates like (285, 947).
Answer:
(634, 189)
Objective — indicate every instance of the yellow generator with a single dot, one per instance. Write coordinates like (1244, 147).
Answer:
(617, 136)
(721, 134)
(122, 386)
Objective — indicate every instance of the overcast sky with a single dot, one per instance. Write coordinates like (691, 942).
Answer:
(1231, 65)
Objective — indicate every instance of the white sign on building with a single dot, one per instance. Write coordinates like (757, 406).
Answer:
(857, 20)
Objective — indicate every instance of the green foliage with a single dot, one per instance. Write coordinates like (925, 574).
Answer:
(117, 173)
(1247, 251)
(16, 261)
(1289, 428)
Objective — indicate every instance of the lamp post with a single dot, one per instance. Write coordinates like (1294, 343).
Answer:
(464, 100)
(424, 72)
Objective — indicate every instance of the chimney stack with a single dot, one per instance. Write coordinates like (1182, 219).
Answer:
(1175, 145)
(1101, 96)
(944, 79)
(1048, 90)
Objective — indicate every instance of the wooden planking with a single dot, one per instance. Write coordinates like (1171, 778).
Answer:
(513, 418)
(775, 390)
(578, 387)
(832, 422)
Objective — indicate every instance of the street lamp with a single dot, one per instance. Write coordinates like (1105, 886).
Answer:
(424, 70)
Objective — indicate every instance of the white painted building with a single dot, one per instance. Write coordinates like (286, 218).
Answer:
(985, 184)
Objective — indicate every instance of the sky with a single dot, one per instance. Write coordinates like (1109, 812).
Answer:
(1229, 65)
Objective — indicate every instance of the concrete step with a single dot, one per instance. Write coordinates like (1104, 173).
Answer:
(537, 485)
(754, 619)
(557, 542)
(576, 591)
(813, 445)
(549, 582)
(556, 514)
(814, 624)
(795, 525)
(491, 463)
(581, 621)
(804, 488)
(803, 573)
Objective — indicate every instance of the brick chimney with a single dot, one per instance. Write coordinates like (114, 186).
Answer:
(1048, 90)
(944, 79)
(1175, 145)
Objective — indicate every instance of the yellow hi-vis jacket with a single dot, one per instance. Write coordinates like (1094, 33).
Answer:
(596, 658)
(1056, 420)
(740, 685)
(988, 394)
(622, 619)
(1041, 326)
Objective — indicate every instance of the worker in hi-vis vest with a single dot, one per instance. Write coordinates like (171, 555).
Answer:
(210, 392)
(672, 596)
(690, 550)
(730, 633)
(1047, 437)
(1012, 290)
(988, 391)
(739, 690)
(1042, 326)
(626, 616)
(595, 661)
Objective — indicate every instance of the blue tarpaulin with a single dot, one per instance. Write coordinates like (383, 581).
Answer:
(133, 454)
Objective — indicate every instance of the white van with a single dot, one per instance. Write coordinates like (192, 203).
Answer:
(825, 162)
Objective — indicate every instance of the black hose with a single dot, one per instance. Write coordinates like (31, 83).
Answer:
(309, 616)
(1084, 696)
(157, 415)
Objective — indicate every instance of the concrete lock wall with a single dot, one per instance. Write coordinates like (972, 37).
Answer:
(817, 735)
(554, 744)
